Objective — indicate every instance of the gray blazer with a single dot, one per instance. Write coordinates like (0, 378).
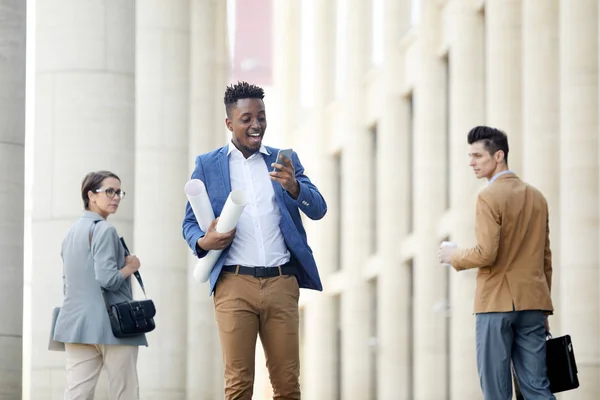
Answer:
(83, 317)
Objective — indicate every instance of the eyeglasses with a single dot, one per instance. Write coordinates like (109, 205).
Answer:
(110, 192)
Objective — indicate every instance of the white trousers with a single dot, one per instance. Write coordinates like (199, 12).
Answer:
(84, 363)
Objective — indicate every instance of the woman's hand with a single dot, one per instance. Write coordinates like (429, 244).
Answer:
(132, 264)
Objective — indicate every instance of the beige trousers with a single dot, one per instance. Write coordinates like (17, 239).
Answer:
(84, 363)
(247, 307)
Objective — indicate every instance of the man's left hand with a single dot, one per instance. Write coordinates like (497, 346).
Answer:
(445, 254)
(286, 177)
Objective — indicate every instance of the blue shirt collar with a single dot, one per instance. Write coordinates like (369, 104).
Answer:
(508, 171)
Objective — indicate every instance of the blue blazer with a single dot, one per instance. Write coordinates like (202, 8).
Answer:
(213, 169)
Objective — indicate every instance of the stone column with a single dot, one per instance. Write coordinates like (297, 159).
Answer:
(318, 376)
(12, 184)
(84, 122)
(578, 22)
(466, 97)
(357, 208)
(286, 66)
(541, 121)
(429, 205)
(161, 171)
(503, 73)
(208, 82)
(393, 204)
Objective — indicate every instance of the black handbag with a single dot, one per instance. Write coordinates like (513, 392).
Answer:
(131, 318)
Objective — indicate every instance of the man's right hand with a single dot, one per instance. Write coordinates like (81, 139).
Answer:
(214, 240)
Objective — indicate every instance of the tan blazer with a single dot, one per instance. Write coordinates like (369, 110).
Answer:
(513, 248)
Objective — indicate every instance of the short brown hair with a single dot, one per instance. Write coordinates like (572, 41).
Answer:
(93, 181)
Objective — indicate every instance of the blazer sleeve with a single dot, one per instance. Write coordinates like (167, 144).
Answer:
(105, 250)
(64, 280)
(548, 256)
(309, 201)
(488, 223)
(190, 228)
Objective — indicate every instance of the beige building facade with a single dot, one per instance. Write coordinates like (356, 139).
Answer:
(136, 87)
(390, 154)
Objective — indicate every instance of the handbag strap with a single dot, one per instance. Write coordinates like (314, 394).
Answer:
(136, 273)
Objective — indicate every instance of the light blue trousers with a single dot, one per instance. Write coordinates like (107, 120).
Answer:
(519, 336)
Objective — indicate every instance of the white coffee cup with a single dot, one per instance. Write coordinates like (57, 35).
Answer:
(448, 244)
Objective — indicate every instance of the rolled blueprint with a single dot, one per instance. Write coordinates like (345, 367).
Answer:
(233, 208)
(198, 198)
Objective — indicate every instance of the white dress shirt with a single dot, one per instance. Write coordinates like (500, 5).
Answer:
(258, 240)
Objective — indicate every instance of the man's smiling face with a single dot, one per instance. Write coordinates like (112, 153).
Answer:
(248, 123)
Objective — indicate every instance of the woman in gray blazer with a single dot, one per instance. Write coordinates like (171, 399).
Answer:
(94, 259)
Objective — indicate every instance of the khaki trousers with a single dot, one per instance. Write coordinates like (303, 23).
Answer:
(84, 363)
(245, 307)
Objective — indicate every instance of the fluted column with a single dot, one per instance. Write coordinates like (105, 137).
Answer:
(12, 158)
(206, 132)
(429, 205)
(503, 73)
(161, 149)
(286, 67)
(466, 85)
(357, 208)
(392, 202)
(579, 200)
(541, 120)
(84, 122)
(318, 363)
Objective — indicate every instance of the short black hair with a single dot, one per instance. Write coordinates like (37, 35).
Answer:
(93, 181)
(241, 90)
(493, 139)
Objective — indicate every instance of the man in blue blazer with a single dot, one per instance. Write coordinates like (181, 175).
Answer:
(266, 258)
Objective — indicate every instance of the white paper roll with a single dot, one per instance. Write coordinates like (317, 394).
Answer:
(233, 208)
(200, 203)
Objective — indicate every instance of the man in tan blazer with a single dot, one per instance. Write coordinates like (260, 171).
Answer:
(514, 276)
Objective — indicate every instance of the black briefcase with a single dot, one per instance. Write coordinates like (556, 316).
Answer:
(560, 362)
(560, 365)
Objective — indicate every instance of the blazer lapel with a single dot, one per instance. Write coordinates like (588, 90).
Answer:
(224, 163)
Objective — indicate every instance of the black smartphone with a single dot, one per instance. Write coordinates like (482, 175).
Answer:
(287, 153)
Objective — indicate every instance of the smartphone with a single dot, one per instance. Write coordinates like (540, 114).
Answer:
(287, 153)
